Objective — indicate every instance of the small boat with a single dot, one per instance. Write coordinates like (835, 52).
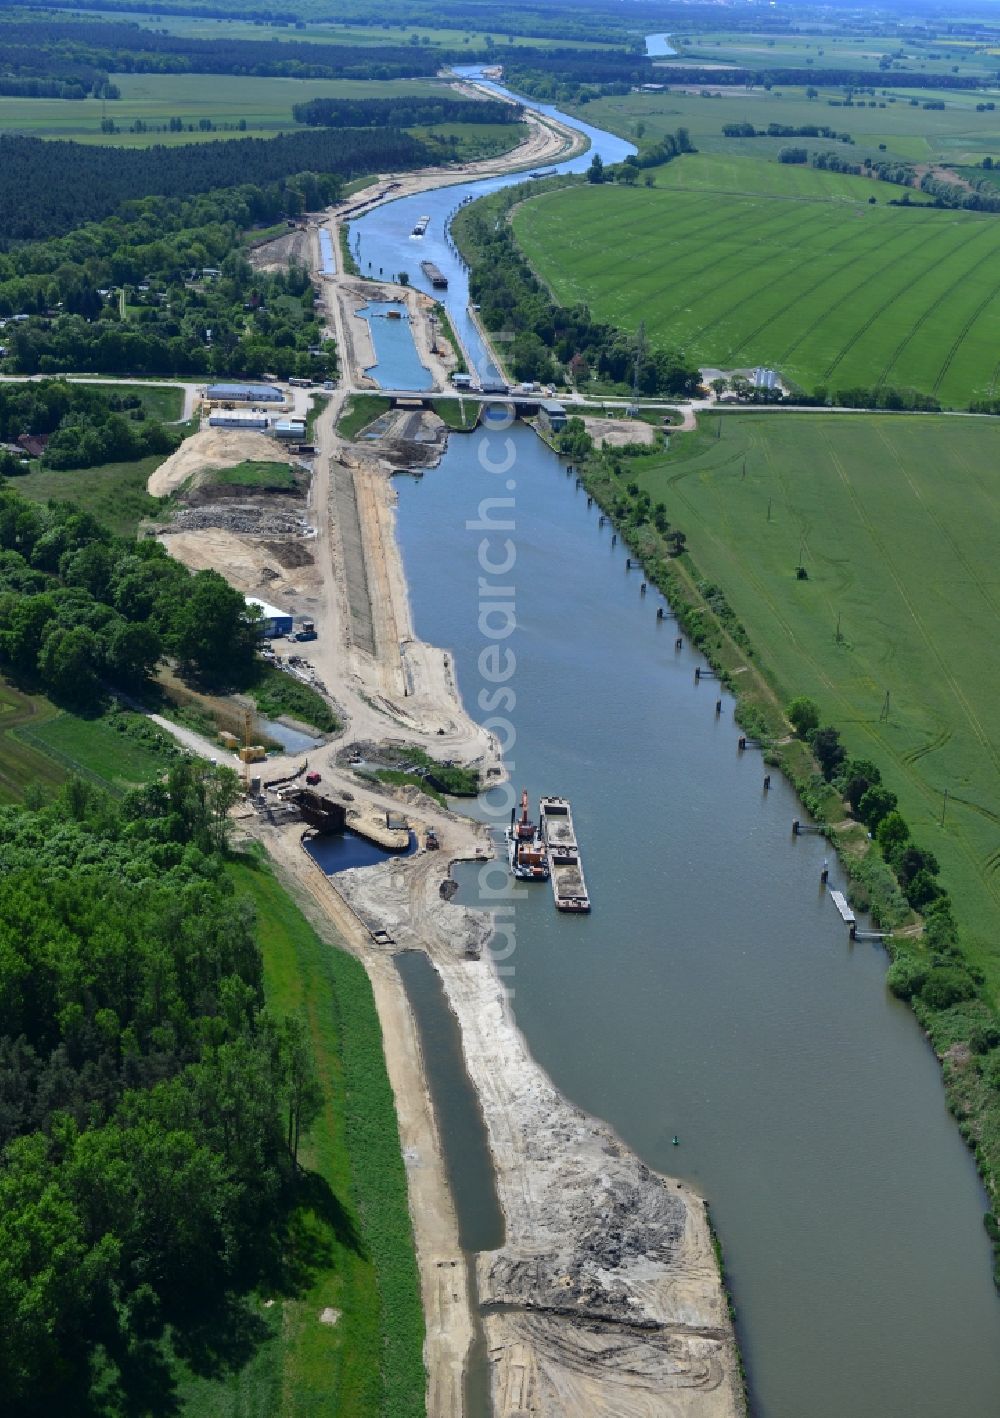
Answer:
(421, 226)
(526, 855)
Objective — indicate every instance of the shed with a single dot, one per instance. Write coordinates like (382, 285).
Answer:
(274, 621)
(238, 418)
(552, 415)
(289, 428)
(246, 393)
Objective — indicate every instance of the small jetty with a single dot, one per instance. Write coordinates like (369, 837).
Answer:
(421, 226)
(569, 889)
(840, 901)
(435, 275)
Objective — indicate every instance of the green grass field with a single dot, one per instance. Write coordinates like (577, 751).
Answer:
(114, 492)
(369, 1363)
(956, 134)
(359, 411)
(838, 51)
(812, 280)
(96, 750)
(251, 474)
(897, 518)
(22, 716)
(265, 104)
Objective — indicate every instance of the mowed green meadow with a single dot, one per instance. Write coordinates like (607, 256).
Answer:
(897, 519)
(742, 262)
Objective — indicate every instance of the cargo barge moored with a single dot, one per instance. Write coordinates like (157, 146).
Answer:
(569, 889)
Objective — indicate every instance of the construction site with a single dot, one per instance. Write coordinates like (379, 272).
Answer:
(601, 1257)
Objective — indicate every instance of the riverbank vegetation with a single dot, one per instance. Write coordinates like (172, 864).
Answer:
(774, 576)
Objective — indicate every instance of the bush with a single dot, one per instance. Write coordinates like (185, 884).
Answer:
(876, 804)
(803, 715)
(907, 975)
(946, 985)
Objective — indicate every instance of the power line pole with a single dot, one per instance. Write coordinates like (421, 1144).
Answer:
(640, 350)
(944, 806)
(883, 718)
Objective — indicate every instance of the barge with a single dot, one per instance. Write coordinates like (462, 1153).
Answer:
(526, 854)
(435, 275)
(422, 224)
(569, 888)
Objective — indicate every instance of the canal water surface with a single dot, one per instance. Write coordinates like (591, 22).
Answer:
(714, 994)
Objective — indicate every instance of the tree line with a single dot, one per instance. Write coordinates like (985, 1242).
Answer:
(831, 78)
(120, 47)
(48, 186)
(407, 111)
(82, 610)
(784, 130)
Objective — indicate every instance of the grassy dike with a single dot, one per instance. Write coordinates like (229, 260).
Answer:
(965, 1034)
(351, 1242)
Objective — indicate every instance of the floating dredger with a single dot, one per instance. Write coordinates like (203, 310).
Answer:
(525, 848)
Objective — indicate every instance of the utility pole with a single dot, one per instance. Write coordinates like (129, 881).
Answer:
(883, 718)
(839, 636)
(640, 350)
(769, 509)
(944, 806)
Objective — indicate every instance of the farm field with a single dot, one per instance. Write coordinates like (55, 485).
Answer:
(956, 133)
(201, 27)
(850, 51)
(897, 519)
(829, 290)
(265, 105)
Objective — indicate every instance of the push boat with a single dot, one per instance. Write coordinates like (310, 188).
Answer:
(526, 853)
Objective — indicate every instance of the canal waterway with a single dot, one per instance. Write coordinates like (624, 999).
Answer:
(328, 261)
(658, 46)
(713, 994)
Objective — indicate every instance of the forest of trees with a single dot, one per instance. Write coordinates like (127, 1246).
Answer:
(407, 111)
(511, 298)
(48, 45)
(85, 425)
(48, 186)
(82, 610)
(150, 1102)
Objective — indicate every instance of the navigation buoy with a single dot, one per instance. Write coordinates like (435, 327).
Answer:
(676, 1140)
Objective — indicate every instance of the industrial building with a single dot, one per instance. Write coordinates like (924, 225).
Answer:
(245, 393)
(238, 418)
(274, 622)
(289, 428)
(552, 415)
